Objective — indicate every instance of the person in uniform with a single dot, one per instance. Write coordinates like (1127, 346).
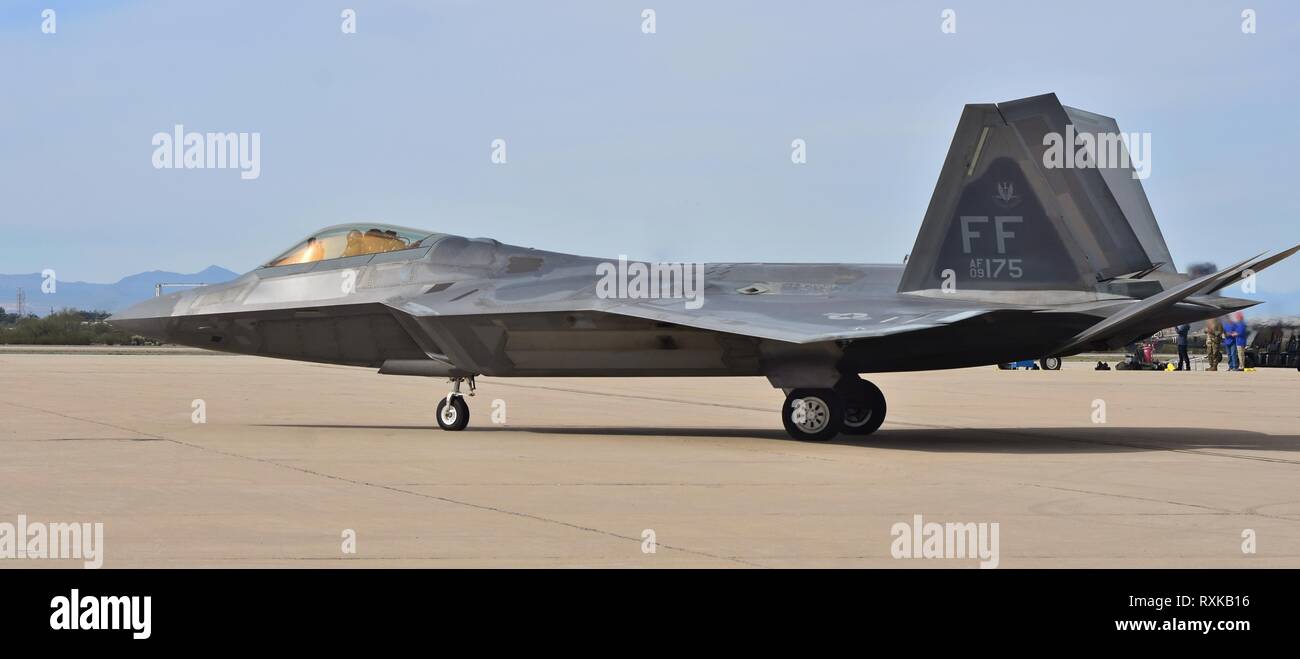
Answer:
(1213, 343)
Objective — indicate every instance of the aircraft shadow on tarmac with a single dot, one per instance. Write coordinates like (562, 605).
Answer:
(939, 440)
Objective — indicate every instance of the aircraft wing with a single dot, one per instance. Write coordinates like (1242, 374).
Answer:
(802, 321)
(790, 318)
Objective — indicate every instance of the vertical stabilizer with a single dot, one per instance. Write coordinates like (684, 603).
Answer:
(1003, 217)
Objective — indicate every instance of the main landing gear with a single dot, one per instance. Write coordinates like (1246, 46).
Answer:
(853, 407)
(453, 413)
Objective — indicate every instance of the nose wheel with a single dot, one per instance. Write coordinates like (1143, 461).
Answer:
(452, 412)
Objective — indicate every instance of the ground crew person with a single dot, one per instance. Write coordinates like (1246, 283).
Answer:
(1182, 348)
(1230, 342)
(1239, 339)
(1213, 343)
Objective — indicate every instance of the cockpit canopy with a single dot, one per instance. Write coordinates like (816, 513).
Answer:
(354, 240)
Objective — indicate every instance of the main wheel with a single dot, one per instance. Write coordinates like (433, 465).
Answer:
(864, 408)
(813, 415)
(1050, 363)
(454, 416)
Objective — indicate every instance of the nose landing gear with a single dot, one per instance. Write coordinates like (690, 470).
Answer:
(453, 413)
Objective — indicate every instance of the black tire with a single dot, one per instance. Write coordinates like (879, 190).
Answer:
(1050, 363)
(812, 415)
(864, 411)
(455, 416)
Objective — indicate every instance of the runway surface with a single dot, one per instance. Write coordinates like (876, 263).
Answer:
(293, 454)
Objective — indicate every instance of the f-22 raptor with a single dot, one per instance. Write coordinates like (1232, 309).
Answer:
(1016, 259)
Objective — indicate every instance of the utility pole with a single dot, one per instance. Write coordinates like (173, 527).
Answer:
(22, 302)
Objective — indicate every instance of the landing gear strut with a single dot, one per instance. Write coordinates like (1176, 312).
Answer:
(453, 413)
(853, 407)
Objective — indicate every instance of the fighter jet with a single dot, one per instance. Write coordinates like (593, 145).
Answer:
(1018, 257)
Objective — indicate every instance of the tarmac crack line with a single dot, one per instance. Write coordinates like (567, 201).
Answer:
(457, 502)
(1189, 451)
(1218, 511)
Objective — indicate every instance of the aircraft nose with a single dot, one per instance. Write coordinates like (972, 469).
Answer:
(148, 318)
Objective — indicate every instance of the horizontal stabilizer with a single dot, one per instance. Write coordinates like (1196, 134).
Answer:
(1134, 314)
(1256, 266)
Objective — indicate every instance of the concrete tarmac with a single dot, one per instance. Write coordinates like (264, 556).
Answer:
(573, 472)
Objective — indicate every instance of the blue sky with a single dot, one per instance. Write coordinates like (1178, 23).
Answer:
(671, 146)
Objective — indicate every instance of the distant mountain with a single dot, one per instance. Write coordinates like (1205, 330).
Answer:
(99, 297)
